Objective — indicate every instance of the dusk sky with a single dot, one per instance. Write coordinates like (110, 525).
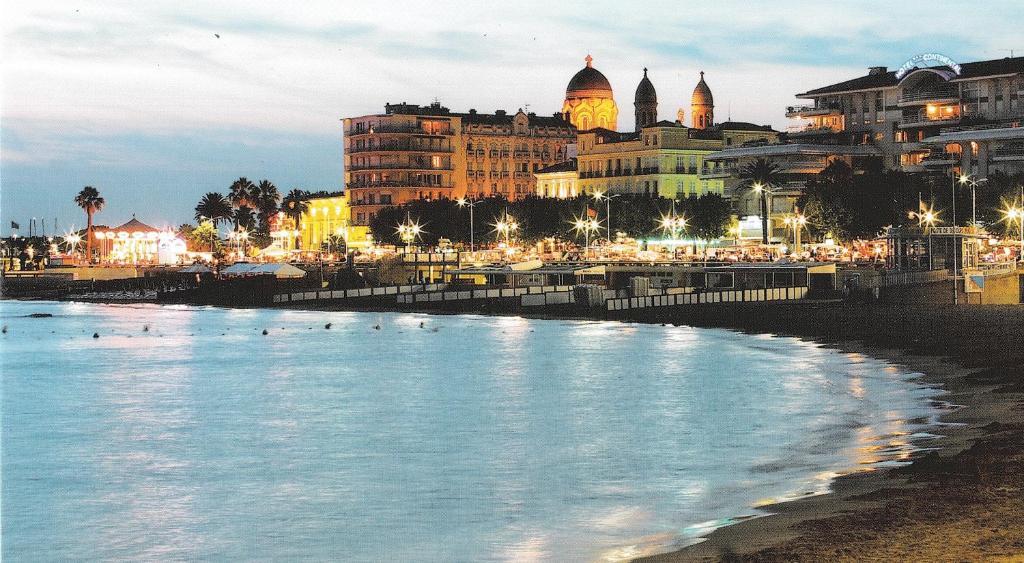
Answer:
(145, 102)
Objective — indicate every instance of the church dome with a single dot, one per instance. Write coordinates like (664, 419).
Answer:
(589, 83)
(645, 91)
(702, 94)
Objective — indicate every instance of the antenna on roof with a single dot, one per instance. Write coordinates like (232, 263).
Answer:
(526, 108)
(728, 112)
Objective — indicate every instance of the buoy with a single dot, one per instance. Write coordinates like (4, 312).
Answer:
(95, 335)
(327, 326)
(264, 332)
(145, 328)
(421, 324)
(4, 329)
(376, 327)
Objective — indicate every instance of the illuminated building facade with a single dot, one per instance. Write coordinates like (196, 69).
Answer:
(945, 118)
(589, 102)
(558, 180)
(428, 152)
(138, 243)
(329, 215)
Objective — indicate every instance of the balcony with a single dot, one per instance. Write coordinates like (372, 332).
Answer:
(719, 172)
(395, 184)
(521, 154)
(940, 158)
(1008, 153)
(811, 130)
(811, 111)
(409, 166)
(942, 115)
(407, 129)
(930, 95)
(400, 147)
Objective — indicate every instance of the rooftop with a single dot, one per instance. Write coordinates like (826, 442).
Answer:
(874, 80)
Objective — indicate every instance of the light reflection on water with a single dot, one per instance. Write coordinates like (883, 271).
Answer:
(469, 438)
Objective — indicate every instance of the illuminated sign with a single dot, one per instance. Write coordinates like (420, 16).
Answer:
(925, 58)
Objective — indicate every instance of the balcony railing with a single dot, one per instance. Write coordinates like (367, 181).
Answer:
(409, 166)
(400, 147)
(808, 110)
(1012, 152)
(933, 94)
(414, 129)
(395, 184)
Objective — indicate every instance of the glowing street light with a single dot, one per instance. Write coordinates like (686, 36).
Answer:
(797, 223)
(409, 231)
(926, 219)
(598, 196)
(1016, 214)
(463, 202)
(766, 193)
(506, 226)
(586, 226)
(968, 179)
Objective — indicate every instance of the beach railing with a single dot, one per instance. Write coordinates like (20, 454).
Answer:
(529, 296)
(704, 297)
(335, 294)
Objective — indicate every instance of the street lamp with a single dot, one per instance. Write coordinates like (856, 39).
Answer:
(586, 225)
(673, 225)
(506, 226)
(967, 179)
(409, 231)
(797, 223)
(926, 218)
(766, 193)
(463, 202)
(598, 196)
(1017, 214)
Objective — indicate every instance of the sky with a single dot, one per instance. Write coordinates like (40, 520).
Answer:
(156, 103)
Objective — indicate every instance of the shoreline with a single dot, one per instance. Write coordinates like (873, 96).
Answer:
(909, 512)
(916, 512)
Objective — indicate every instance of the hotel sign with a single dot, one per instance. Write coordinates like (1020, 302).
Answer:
(925, 58)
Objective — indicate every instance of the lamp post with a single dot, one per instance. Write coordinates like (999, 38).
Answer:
(598, 196)
(1017, 214)
(673, 225)
(505, 227)
(463, 202)
(956, 298)
(926, 219)
(586, 225)
(796, 222)
(967, 179)
(766, 199)
(409, 232)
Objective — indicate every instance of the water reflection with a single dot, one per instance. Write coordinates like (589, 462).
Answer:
(460, 438)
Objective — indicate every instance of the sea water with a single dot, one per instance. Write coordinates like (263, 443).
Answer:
(187, 433)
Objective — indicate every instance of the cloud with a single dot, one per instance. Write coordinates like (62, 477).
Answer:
(96, 87)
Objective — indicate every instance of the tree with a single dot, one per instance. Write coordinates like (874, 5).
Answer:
(765, 174)
(244, 217)
(826, 201)
(203, 234)
(709, 216)
(215, 207)
(242, 192)
(91, 202)
(294, 205)
(266, 199)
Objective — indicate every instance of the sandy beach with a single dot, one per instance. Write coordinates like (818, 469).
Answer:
(963, 502)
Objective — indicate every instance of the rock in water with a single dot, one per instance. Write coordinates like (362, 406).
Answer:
(327, 326)
(264, 332)
(39, 315)
(95, 335)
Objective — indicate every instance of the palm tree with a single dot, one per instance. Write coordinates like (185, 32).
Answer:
(266, 200)
(91, 202)
(242, 192)
(294, 205)
(215, 207)
(761, 175)
(244, 217)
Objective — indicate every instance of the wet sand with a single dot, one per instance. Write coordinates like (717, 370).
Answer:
(964, 502)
